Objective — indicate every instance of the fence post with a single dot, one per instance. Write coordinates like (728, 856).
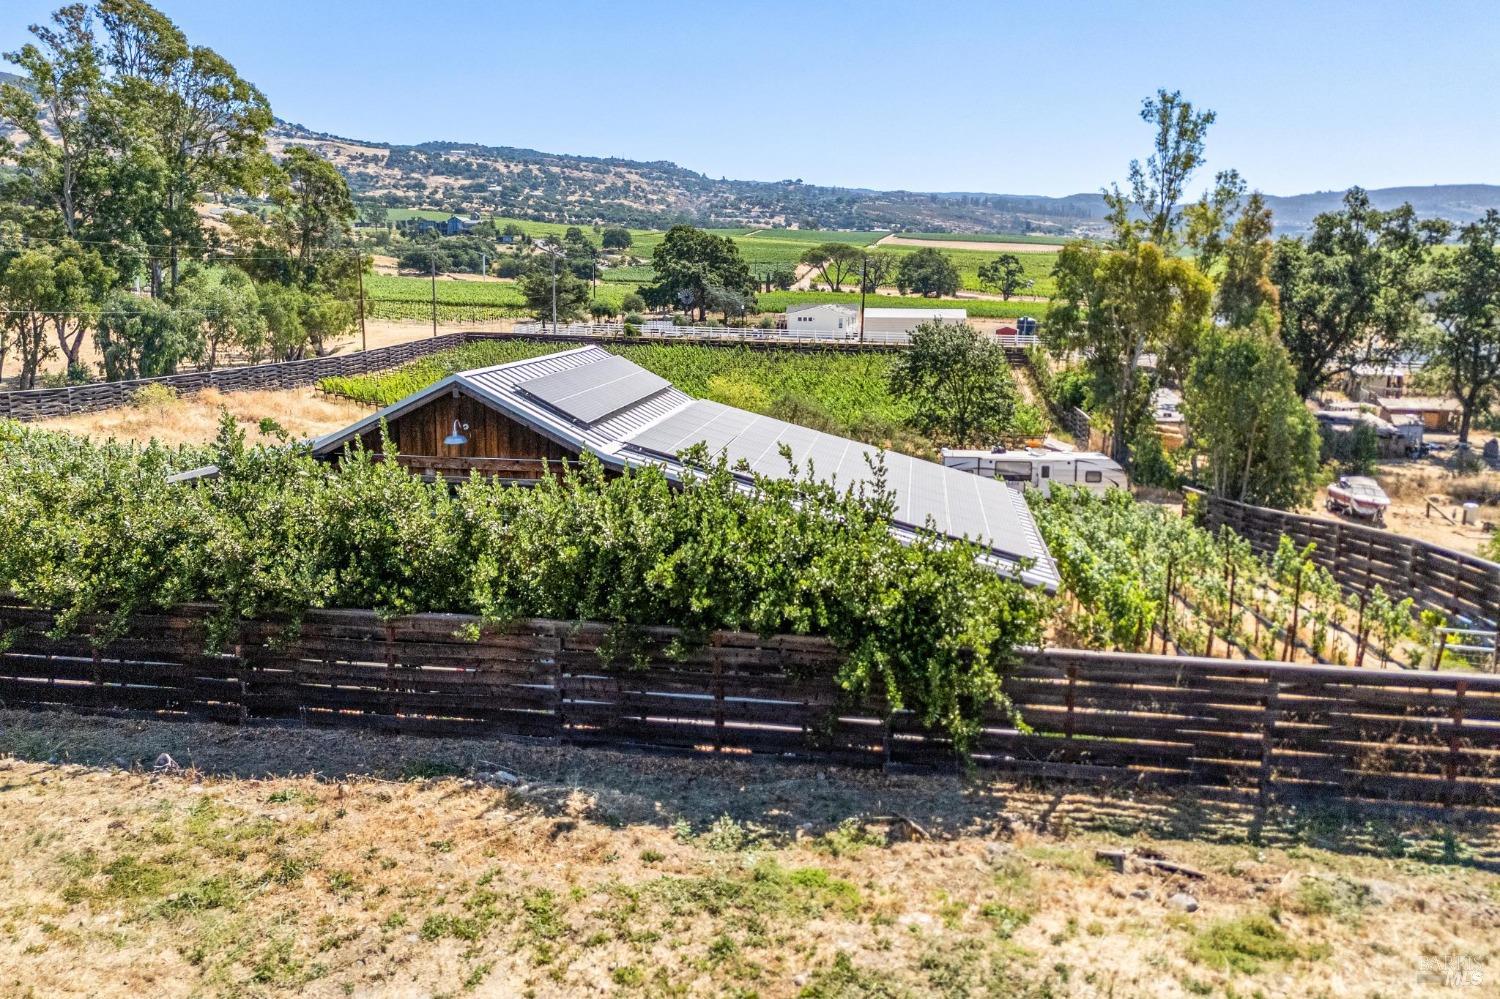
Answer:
(1455, 742)
(1267, 748)
(718, 692)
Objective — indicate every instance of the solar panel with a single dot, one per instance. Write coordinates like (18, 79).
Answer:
(590, 392)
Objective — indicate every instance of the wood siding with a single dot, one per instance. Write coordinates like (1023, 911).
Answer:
(491, 434)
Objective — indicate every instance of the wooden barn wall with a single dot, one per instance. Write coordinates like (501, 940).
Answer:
(491, 434)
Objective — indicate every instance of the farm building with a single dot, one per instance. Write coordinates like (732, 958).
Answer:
(454, 225)
(900, 321)
(1394, 439)
(1436, 413)
(825, 318)
(519, 421)
(1371, 381)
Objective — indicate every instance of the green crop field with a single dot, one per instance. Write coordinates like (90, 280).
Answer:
(462, 301)
(403, 214)
(979, 308)
(844, 393)
(458, 301)
(986, 237)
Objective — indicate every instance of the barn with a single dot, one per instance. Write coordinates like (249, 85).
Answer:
(903, 321)
(522, 420)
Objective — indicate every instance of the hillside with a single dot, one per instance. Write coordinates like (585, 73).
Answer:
(504, 180)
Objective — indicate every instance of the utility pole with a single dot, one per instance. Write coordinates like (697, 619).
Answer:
(554, 293)
(359, 269)
(432, 260)
(864, 261)
(484, 264)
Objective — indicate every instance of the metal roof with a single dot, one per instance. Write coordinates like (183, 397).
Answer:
(657, 425)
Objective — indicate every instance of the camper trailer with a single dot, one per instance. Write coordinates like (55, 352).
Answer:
(1040, 468)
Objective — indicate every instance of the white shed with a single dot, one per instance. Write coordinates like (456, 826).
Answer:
(824, 318)
(899, 322)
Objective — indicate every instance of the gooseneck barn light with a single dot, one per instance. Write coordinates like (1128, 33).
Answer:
(457, 438)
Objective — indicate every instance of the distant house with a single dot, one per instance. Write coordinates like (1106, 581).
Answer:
(526, 419)
(1393, 438)
(1372, 381)
(1436, 413)
(1167, 402)
(903, 321)
(453, 225)
(825, 318)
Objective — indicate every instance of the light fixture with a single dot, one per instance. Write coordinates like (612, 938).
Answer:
(456, 438)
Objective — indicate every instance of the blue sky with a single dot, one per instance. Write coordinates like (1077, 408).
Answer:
(1036, 98)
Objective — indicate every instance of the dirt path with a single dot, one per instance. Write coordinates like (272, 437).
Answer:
(969, 244)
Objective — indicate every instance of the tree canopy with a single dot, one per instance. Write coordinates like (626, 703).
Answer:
(959, 384)
(928, 272)
(1466, 347)
(1352, 292)
(689, 264)
(1241, 404)
(1113, 307)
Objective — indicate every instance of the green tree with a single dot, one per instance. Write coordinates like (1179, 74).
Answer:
(1242, 407)
(1351, 293)
(1467, 345)
(315, 209)
(836, 262)
(616, 238)
(688, 262)
(879, 269)
(1245, 289)
(1158, 185)
(929, 273)
(56, 288)
(1113, 306)
(141, 338)
(1003, 274)
(632, 303)
(536, 287)
(223, 307)
(958, 383)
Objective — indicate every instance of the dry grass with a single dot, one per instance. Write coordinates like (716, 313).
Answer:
(266, 868)
(194, 419)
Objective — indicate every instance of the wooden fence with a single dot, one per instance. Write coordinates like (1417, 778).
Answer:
(1259, 728)
(1360, 557)
(41, 404)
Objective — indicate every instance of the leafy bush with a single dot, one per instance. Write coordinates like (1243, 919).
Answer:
(96, 529)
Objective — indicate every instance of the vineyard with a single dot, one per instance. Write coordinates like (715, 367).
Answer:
(1140, 578)
(842, 393)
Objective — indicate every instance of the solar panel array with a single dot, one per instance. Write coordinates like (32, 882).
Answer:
(590, 392)
(957, 503)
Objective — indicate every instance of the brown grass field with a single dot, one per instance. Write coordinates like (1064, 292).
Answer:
(281, 862)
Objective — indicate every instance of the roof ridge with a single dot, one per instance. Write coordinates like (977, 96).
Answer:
(539, 357)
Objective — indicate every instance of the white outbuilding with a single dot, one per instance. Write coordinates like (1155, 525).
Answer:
(819, 319)
(900, 322)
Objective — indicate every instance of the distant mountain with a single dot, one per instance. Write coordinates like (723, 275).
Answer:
(510, 181)
(467, 177)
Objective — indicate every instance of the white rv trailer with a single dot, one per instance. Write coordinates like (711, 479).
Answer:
(1041, 468)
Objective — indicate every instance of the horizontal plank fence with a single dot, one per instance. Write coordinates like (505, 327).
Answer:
(41, 404)
(1360, 557)
(1262, 729)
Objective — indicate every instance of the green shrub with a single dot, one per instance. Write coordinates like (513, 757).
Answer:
(88, 528)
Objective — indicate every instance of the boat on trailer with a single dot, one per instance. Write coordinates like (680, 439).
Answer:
(1358, 496)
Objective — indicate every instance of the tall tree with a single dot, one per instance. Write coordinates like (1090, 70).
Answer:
(1352, 292)
(1003, 274)
(688, 262)
(202, 124)
(1467, 345)
(878, 268)
(958, 382)
(1112, 307)
(1242, 407)
(836, 262)
(51, 286)
(1157, 187)
(1245, 289)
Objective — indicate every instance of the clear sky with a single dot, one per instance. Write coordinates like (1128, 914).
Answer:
(1006, 97)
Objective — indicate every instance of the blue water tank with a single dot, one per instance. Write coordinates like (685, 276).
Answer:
(1026, 326)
